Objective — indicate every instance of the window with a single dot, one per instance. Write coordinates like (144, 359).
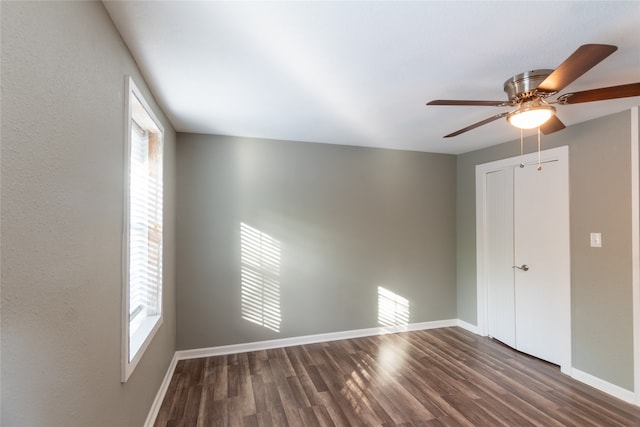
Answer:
(142, 290)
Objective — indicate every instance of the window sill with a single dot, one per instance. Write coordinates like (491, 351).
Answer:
(138, 343)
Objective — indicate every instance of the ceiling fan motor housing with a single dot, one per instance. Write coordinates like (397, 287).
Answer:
(522, 87)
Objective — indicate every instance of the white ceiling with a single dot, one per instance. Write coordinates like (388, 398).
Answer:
(360, 73)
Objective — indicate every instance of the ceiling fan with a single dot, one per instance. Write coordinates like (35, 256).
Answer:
(529, 91)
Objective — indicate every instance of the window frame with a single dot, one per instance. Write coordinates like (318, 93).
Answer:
(152, 323)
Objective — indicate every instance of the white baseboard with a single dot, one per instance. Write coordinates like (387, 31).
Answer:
(310, 339)
(468, 326)
(164, 386)
(604, 386)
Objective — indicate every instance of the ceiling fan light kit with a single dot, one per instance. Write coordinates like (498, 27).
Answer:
(531, 114)
(528, 92)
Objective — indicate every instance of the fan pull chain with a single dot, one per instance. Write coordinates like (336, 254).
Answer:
(521, 150)
(539, 165)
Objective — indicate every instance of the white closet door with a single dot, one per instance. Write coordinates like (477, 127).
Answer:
(524, 287)
(499, 243)
(541, 231)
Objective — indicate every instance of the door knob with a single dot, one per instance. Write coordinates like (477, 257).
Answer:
(523, 267)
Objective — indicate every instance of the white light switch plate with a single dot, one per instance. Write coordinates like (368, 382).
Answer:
(596, 240)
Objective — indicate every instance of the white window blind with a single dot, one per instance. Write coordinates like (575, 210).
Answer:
(142, 314)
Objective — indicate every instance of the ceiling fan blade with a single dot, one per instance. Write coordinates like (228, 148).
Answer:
(470, 103)
(478, 124)
(552, 125)
(601, 94)
(580, 61)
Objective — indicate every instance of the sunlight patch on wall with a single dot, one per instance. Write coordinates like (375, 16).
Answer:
(393, 310)
(260, 277)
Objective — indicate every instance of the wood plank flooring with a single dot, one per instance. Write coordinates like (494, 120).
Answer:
(438, 377)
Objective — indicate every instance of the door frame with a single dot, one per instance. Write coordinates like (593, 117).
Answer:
(559, 153)
(635, 246)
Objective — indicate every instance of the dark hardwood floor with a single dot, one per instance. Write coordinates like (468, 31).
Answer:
(438, 377)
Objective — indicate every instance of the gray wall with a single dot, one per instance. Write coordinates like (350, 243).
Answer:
(63, 96)
(349, 220)
(600, 201)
